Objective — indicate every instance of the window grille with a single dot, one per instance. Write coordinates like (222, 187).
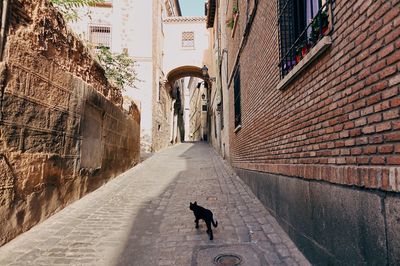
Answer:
(236, 89)
(302, 23)
(188, 39)
(100, 36)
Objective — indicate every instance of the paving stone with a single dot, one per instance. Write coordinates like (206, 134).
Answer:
(142, 218)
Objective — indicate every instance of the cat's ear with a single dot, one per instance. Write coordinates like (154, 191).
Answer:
(195, 203)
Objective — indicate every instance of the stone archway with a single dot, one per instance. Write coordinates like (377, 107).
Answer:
(184, 71)
(193, 106)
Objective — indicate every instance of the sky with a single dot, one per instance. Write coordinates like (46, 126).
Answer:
(192, 7)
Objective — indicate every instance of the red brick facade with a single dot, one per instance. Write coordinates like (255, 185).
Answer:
(339, 120)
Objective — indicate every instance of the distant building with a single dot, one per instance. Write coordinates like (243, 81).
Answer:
(135, 27)
(185, 45)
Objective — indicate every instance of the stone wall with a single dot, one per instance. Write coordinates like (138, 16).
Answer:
(63, 132)
(332, 224)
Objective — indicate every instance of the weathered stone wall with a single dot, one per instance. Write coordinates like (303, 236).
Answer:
(332, 224)
(63, 132)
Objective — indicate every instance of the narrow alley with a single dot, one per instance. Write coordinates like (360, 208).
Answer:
(142, 217)
(281, 117)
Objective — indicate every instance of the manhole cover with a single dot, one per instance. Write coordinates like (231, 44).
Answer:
(227, 260)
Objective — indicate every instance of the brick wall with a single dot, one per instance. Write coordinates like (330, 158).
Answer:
(63, 132)
(339, 120)
(334, 130)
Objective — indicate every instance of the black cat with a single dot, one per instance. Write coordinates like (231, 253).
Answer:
(206, 215)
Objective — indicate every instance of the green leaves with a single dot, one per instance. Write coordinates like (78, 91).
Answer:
(119, 68)
(68, 7)
(76, 3)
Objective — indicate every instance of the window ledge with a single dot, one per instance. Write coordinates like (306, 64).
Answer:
(318, 49)
(105, 4)
(237, 128)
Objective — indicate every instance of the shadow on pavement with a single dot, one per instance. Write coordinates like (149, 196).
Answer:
(163, 231)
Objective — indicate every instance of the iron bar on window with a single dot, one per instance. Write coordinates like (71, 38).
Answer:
(297, 35)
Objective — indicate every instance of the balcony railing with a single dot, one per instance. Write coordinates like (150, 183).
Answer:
(292, 52)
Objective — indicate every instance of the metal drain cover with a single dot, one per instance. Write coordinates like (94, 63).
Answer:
(227, 260)
(228, 255)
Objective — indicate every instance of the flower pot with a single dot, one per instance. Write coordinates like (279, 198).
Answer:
(297, 58)
(304, 50)
(325, 30)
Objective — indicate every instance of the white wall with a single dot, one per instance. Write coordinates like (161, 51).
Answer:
(175, 54)
(131, 29)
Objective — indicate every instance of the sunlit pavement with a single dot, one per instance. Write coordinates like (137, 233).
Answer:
(142, 217)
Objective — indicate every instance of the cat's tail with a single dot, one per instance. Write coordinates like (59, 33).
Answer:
(215, 224)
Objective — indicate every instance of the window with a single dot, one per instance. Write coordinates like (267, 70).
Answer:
(188, 39)
(100, 35)
(302, 23)
(236, 91)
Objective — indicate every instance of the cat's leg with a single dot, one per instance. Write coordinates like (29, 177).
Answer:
(209, 230)
(197, 223)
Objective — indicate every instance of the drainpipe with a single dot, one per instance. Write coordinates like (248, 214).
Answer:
(5, 6)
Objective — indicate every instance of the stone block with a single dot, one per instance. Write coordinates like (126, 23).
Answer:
(91, 149)
(73, 124)
(52, 168)
(24, 112)
(62, 78)
(348, 223)
(58, 97)
(58, 120)
(264, 186)
(72, 146)
(294, 203)
(69, 168)
(330, 224)
(7, 180)
(392, 207)
(38, 89)
(10, 136)
(17, 80)
(28, 172)
(42, 141)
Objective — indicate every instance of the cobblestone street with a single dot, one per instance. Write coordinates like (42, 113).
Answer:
(142, 217)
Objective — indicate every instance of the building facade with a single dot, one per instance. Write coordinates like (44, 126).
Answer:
(314, 119)
(217, 61)
(136, 28)
(196, 108)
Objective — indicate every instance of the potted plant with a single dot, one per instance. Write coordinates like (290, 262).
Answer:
(297, 54)
(301, 51)
(320, 20)
(305, 47)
